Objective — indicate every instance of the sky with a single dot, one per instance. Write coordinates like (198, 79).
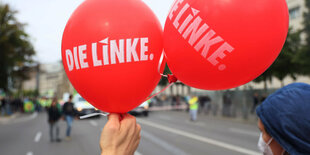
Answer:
(46, 20)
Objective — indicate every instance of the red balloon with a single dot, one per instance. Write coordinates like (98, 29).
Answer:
(110, 52)
(221, 44)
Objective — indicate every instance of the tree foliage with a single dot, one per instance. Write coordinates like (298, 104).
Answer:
(286, 63)
(16, 51)
(303, 57)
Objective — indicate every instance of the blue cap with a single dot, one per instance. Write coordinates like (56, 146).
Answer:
(286, 117)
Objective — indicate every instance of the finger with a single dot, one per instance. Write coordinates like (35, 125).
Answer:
(128, 120)
(114, 117)
(136, 143)
(113, 122)
(128, 125)
(138, 129)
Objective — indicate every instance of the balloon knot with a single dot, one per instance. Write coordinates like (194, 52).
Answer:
(172, 78)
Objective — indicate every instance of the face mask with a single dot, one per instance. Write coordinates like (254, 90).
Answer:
(263, 146)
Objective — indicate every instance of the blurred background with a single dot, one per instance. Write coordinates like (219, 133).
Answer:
(32, 75)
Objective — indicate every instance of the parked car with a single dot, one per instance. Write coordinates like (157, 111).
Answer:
(82, 106)
(142, 109)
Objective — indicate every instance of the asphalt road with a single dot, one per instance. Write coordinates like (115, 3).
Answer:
(163, 133)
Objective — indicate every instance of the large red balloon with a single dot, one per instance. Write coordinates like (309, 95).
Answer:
(221, 44)
(111, 51)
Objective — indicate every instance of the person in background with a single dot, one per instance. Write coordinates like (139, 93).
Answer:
(69, 114)
(193, 108)
(205, 104)
(1, 106)
(227, 103)
(255, 102)
(201, 103)
(263, 98)
(4, 106)
(284, 121)
(54, 114)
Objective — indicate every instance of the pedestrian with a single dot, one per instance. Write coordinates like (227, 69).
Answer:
(204, 104)
(178, 102)
(69, 114)
(4, 106)
(284, 121)
(193, 108)
(227, 104)
(173, 101)
(255, 102)
(201, 100)
(54, 114)
(263, 98)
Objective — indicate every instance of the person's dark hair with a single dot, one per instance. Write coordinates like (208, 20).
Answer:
(54, 100)
(70, 97)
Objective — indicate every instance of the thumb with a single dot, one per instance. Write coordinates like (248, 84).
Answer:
(114, 119)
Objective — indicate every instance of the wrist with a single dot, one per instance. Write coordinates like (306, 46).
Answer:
(108, 152)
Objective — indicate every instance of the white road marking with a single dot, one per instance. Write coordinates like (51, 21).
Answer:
(137, 153)
(200, 138)
(165, 145)
(245, 132)
(29, 153)
(38, 136)
(93, 123)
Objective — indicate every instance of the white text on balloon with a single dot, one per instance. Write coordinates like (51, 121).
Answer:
(190, 28)
(113, 51)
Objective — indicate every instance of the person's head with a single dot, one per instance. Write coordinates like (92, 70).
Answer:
(284, 121)
(256, 94)
(54, 102)
(70, 98)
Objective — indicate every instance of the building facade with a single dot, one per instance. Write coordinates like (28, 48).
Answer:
(50, 80)
(53, 80)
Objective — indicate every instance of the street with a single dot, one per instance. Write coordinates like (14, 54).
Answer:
(163, 132)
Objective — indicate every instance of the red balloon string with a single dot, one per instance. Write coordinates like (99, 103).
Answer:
(171, 79)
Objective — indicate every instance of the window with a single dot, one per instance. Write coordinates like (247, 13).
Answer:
(294, 12)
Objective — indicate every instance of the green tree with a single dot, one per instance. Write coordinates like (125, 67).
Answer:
(286, 63)
(303, 57)
(265, 77)
(16, 50)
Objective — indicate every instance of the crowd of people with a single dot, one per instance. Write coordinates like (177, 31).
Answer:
(10, 105)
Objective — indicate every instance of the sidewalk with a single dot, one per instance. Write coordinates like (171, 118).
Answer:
(251, 119)
(6, 119)
(17, 117)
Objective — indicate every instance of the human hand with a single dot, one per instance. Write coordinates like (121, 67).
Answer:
(120, 135)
